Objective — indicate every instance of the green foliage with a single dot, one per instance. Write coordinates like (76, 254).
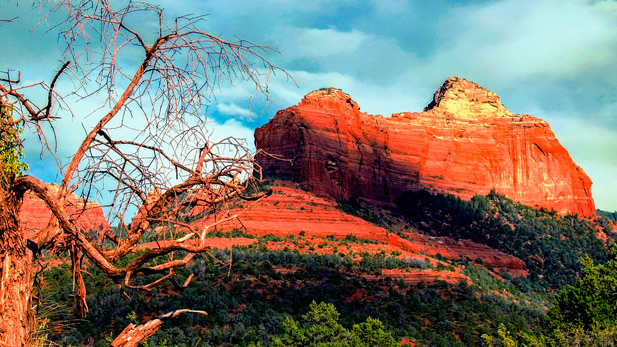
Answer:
(320, 327)
(374, 263)
(236, 232)
(598, 335)
(264, 298)
(505, 339)
(608, 214)
(550, 245)
(590, 302)
(132, 317)
(584, 314)
(251, 305)
(11, 149)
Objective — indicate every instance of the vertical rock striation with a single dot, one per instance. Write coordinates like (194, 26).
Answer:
(465, 143)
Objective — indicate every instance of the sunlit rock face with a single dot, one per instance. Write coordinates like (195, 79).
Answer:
(87, 215)
(465, 142)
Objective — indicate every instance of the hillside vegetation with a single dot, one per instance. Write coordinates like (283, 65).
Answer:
(272, 285)
(551, 245)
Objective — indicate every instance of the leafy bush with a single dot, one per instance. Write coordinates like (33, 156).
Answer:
(320, 327)
(592, 301)
(11, 148)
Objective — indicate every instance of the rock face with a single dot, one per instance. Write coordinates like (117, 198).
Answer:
(34, 214)
(465, 143)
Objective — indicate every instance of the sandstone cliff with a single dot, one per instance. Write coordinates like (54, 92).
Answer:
(465, 143)
(34, 214)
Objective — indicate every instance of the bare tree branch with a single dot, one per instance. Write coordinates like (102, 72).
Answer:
(146, 139)
(132, 335)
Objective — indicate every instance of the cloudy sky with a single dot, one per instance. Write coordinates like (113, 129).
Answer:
(556, 60)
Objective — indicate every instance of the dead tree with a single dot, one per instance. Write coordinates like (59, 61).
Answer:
(155, 78)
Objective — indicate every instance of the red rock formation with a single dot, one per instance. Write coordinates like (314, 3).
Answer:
(465, 143)
(34, 214)
(472, 250)
(411, 277)
(290, 211)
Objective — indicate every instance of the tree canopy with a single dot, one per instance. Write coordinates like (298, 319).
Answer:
(320, 327)
(591, 301)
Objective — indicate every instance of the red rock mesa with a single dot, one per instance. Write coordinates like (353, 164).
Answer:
(465, 143)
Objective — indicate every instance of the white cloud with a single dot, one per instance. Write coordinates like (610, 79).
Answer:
(512, 40)
(320, 42)
(364, 55)
(232, 128)
(232, 109)
(373, 98)
(545, 57)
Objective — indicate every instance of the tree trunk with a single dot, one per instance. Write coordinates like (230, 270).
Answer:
(133, 335)
(17, 317)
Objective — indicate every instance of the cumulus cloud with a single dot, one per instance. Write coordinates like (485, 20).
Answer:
(317, 43)
(232, 109)
(232, 128)
(511, 40)
(554, 59)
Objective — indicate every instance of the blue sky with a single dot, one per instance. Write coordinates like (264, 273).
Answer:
(556, 60)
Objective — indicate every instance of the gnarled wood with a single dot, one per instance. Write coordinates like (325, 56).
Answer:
(16, 277)
(132, 335)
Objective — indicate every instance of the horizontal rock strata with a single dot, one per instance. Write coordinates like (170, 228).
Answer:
(293, 212)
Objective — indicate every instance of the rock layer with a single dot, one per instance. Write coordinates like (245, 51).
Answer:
(34, 214)
(293, 212)
(465, 143)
